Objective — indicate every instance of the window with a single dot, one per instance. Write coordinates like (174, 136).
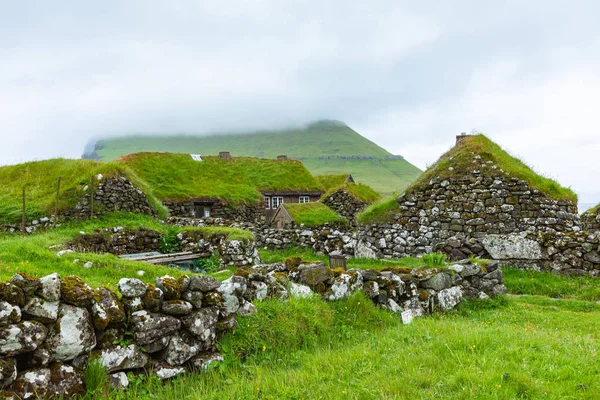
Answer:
(267, 202)
(277, 201)
(304, 199)
(206, 212)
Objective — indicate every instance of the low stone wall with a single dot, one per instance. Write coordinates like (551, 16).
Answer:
(112, 195)
(345, 204)
(31, 227)
(121, 241)
(51, 328)
(187, 209)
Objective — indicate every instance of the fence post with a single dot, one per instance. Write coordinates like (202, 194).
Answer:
(92, 196)
(23, 213)
(56, 206)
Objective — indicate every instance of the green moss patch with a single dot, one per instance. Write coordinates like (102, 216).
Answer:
(380, 211)
(313, 214)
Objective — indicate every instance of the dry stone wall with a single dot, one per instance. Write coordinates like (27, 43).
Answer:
(590, 220)
(345, 204)
(51, 328)
(187, 209)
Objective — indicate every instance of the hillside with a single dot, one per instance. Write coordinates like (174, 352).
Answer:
(325, 147)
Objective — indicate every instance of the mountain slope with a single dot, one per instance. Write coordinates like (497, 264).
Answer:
(326, 147)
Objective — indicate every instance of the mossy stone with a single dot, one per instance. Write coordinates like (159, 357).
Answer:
(76, 292)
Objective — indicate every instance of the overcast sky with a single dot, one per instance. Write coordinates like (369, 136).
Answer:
(409, 75)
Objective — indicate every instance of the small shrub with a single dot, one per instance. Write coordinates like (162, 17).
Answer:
(168, 241)
(96, 378)
(434, 259)
(206, 265)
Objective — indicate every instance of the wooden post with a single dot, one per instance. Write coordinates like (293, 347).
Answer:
(56, 206)
(92, 196)
(337, 262)
(23, 214)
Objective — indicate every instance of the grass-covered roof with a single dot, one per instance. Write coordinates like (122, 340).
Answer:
(362, 192)
(459, 160)
(313, 214)
(39, 178)
(174, 176)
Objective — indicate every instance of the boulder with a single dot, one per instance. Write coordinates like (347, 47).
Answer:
(42, 310)
(72, 334)
(107, 310)
(50, 287)
(12, 294)
(193, 297)
(344, 285)
(76, 292)
(315, 275)
(246, 308)
(172, 288)
(149, 327)
(512, 247)
(165, 371)
(20, 338)
(9, 314)
(119, 358)
(180, 349)
(438, 282)
(203, 283)
(153, 299)
(118, 381)
(177, 307)
(202, 323)
(204, 361)
(131, 287)
(60, 380)
(363, 251)
(27, 283)
(299, 291)
(448, 299)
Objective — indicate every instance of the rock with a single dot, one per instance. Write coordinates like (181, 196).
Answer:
(193, 297)
(88, 265)
(177, 307)
(493, 266)
(247, 308)
(315, 275)
(592, 257)
(43, 311)
(59, 380)
(203, 283)
(299, 291)
(8, 372)
(344, 285)
(27, 283)
(157, 345)
(202, 323)
(23, 337)
(448, 299)
(256, 290)
(363, 251)
(132, 304)
(9, 314)
(510, 247)
(12, 294)
(72, 334)
(391, 305)
(153, 299)
(107, 310)
(172, 287)
(76, 292)
(63, 252)
(465, 270)
(50, 287)
(179, 350)
(165, 371)
(496, 274)
(149, 327)
(371, 289)
(118, 358)
(204, 361)
(131, 287)
(227, 324)
(438, 282)
(118, 381)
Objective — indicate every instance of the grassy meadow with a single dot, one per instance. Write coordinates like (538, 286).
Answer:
(541, 341)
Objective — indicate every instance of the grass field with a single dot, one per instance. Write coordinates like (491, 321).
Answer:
(322, 139)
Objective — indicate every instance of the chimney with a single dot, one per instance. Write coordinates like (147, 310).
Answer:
(225, 155)
(460, 137)
(282, 157)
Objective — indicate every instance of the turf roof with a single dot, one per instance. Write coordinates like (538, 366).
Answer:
(175, 176)
(362, 192)
(312, 214)
(459, 160)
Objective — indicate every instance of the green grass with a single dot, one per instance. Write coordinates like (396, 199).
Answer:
(33, 254)
(551, 285)
(593, 210)
(332, 181)
(358, 190)
(508, 348)
(322, 139)
(40, 181)
(313, 214)
(173, 176)
(461, 156)
(229, 233)
(380, 211)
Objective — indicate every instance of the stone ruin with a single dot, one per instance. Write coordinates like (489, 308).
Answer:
(51, 328)
(345, 204)
(590, 220)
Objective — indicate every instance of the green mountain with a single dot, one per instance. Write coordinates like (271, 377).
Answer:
(325, 147)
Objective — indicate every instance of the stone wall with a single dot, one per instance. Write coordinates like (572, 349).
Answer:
(51, 328)
(112, 195)
(187, 209)
(467, 207)
(121, 241)
(345, 204)
(590, 220)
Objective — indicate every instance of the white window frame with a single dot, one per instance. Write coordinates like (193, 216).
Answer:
(267, 203)
(207, 211)
(304, 199)
(276, 201)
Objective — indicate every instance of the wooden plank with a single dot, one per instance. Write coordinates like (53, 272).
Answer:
(168, 260)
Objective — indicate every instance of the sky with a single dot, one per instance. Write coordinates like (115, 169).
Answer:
(408, 75)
